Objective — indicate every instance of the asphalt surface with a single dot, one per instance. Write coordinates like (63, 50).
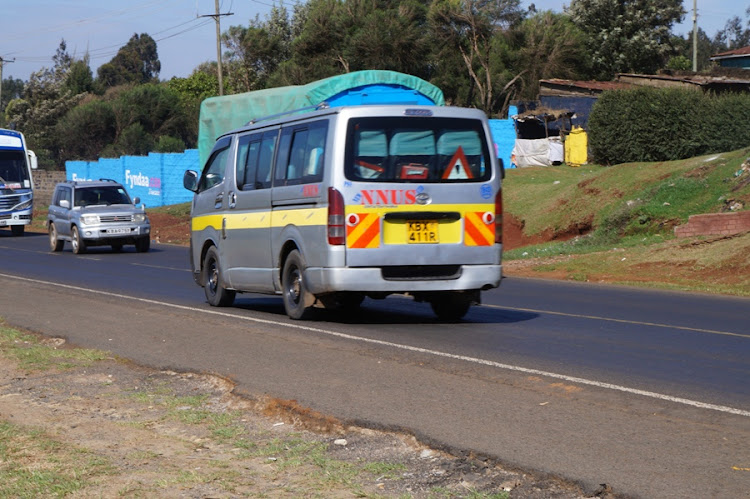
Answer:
(646, 391)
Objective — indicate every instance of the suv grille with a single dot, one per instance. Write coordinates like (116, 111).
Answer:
(116, 219)
(8, 202)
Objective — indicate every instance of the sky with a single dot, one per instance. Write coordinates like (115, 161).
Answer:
(32, 29)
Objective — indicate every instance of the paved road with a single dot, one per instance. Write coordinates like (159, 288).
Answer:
(646, 391)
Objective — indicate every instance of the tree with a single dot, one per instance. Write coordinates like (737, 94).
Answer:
(627, 36)
(157, 111)
(343, 36)
(45, 101)
(551, 46)
(706, 48)
(12, 89)
(80, 79)
(136, 62)
(254, 53)
(85, 130)
(469, 27)
(734, 35)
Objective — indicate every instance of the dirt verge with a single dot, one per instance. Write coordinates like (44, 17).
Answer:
(115, 429)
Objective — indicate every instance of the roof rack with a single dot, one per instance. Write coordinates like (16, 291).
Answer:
(317, 107)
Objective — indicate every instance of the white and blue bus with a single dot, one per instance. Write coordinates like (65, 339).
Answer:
(16, 186)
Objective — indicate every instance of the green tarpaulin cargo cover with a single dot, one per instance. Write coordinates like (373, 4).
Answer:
(219, 115)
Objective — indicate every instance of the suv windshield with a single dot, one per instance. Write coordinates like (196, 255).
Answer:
(105, 195)
(421, 150)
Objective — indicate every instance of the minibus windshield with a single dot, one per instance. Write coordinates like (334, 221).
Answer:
(425, 150)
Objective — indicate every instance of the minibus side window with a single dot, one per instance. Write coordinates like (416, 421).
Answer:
(247, 161)
(213, 173)
(265, 160)
(301, 154)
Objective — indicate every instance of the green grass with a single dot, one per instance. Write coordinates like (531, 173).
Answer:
(624, 205)
(34, 356)
(33, 464)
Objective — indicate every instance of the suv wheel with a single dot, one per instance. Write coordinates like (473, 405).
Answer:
(54, 243)
(216, 294)
(79, 245)
(143, 244)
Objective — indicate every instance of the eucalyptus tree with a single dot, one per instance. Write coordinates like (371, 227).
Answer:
(550, 46)
(136, 62)
(470, 29)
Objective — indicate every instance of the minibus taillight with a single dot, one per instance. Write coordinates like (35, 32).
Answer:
(336, 229)
(499, 217)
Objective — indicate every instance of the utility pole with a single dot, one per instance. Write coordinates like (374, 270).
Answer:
(217, 17)
(3, 62)
(695, 36)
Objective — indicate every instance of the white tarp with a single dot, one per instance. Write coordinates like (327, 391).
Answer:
(531, 152)
(538, 152)
(556, 151)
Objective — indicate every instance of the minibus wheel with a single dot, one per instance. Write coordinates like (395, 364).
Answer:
(451, 307)
(216, 294)
(298, 301)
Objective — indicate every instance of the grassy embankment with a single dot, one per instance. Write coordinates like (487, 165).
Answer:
(627, 214)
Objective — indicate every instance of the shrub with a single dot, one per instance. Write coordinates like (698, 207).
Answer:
(652, 124)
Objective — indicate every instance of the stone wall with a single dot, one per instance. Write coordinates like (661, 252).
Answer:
(715, 224)
(44, 185)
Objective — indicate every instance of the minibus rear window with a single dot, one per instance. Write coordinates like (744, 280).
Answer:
(417, 150)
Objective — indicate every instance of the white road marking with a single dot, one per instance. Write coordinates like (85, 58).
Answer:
(624, 321)
(435, 353)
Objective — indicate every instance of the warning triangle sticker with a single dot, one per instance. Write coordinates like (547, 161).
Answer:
(458, 168)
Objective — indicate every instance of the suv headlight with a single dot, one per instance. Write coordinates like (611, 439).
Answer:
(90, 219)
(139, 218)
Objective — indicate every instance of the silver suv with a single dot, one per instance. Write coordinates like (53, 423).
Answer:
(96, 213)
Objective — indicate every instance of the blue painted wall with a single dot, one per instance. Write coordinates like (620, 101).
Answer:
(504, 136)
(156, 178)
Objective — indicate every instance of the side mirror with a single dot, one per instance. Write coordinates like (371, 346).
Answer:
(502, 167)
(190, 180)
(32, 159)
(64, 203)
(136, 200)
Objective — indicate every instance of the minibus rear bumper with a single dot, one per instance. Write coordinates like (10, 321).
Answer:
(370, 279)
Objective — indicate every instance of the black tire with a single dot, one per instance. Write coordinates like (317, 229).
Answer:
(216, 294)
(79, 245)
(451, 307)
(298, 301)
(349, 302)
(116, 247)
(55, 244)
(143, 244)
(17, 230)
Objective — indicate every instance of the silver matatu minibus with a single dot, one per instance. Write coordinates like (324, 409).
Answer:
(334, 205)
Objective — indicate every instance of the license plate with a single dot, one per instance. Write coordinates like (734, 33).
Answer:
(118, 231)
(3, 222)
(422, 231)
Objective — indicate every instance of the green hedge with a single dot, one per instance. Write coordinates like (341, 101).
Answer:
(662, 124)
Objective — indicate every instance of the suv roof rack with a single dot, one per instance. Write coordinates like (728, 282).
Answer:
(317, 107)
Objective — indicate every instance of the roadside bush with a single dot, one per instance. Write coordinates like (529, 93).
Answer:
(86, 130)
(651, 124)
